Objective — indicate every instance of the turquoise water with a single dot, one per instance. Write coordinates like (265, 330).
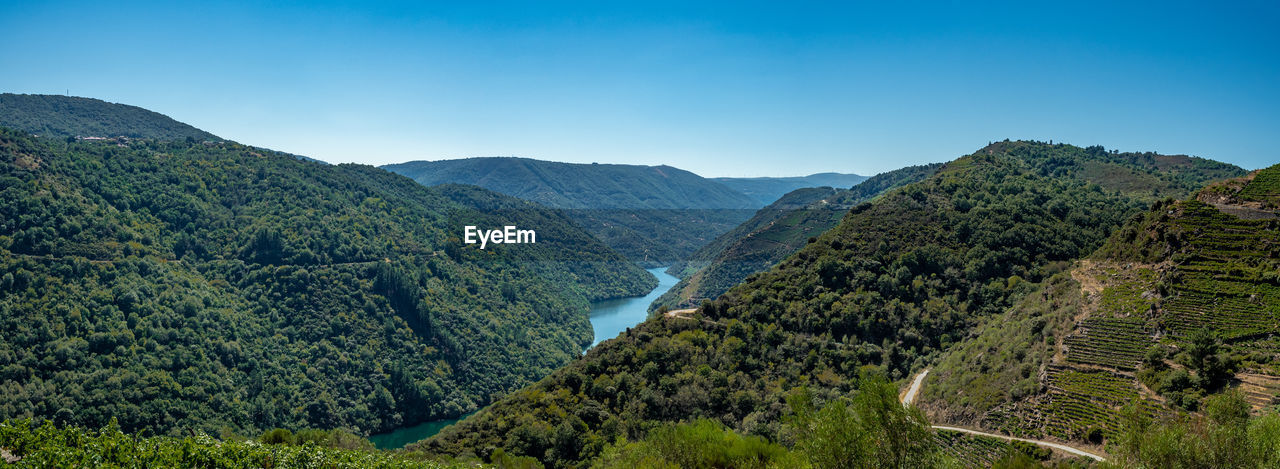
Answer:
(611, 317)
(400, 437)
(608, 319)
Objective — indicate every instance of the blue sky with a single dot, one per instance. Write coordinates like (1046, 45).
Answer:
(719, 88)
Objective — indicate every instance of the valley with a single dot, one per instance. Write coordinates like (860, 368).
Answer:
(639, 235)
(608, 319)
(1029, 301)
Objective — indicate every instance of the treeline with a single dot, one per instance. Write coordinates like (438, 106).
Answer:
(67, 116)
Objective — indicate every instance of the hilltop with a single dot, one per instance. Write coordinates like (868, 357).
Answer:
(68, 116)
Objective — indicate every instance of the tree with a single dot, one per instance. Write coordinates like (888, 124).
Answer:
(873, 429)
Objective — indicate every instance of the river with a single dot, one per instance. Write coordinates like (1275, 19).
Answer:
(608, 319)
(611, 317)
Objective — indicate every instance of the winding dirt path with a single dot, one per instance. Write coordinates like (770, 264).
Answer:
(909, 397)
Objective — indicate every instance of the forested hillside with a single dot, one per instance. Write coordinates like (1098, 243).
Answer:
(767, 190)
(893, 285)
(66, 116)
(654, 215)
(1181, 303)
(178, 285)
(772, 234)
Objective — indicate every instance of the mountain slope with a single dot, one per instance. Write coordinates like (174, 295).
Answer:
(896, 282)
(654, 215)
(174, 285)
(767, 190)
(1192, 282)
(64, 116)
(771, 235)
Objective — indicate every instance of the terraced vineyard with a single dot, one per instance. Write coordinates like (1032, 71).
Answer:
(972, 450)
(1077, 402)
(1260, 390)
(1264, 188)
(1114, 342)
(1130, 293)
(1233, 317)
(1228, 281)
(1120, 329)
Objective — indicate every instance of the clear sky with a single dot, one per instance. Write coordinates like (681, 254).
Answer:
(719, 88)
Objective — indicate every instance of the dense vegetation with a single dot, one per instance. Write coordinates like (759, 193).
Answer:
(1224, 435)
(767, 190)
(868, 429)
(174, 285)
(46, 445)
(896, 282)
(65, 116)
(772, 234)
(654, 215)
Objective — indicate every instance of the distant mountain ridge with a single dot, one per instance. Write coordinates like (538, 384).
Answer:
(654, 215)
(580, 186)
(69, 116)
(766, 190)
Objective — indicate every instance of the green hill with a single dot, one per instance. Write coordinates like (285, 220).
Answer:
(895, 284)
(175, 285)
(66, 116)
(771, 235)
(1182, 302)
(767, 190)
(655, 215)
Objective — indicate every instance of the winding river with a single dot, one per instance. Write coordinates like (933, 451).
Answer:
(611, 317)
